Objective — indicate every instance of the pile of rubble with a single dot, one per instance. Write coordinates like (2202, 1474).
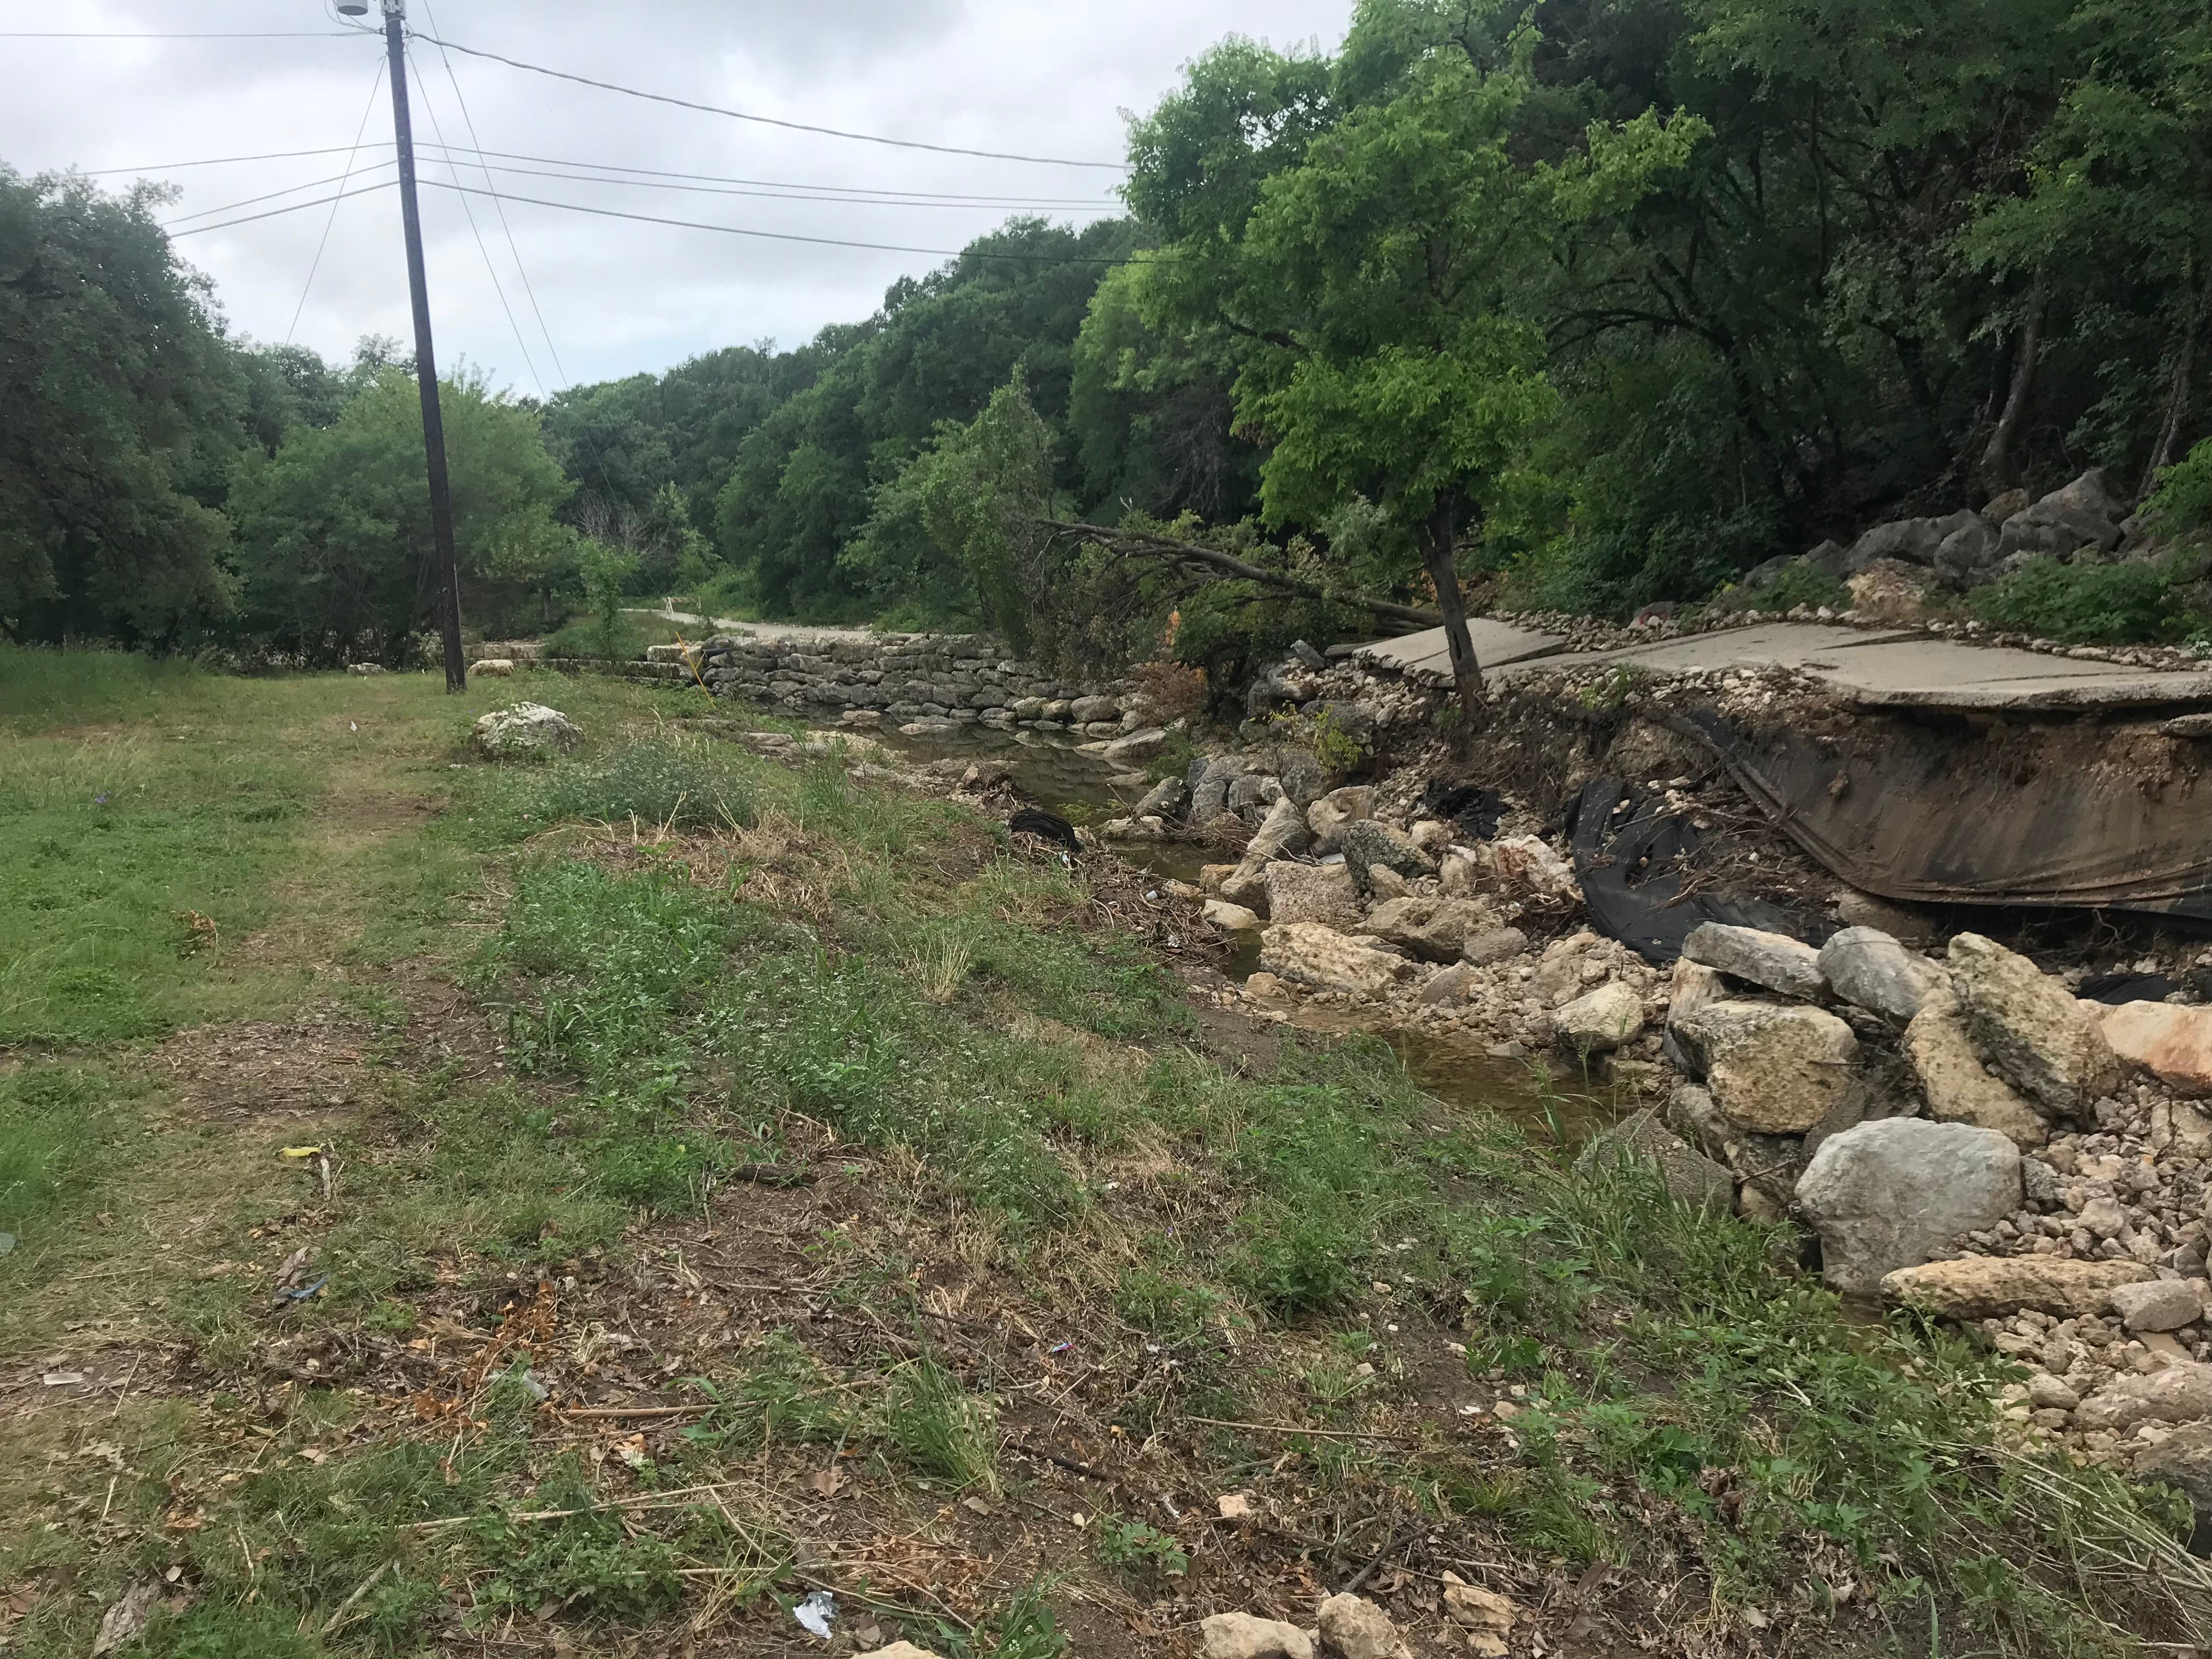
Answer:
(1960, 1131)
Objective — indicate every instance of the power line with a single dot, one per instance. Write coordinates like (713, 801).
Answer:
(651, 219)
(221, 160)
(270, 196)
(296, 207)
(375, 86)
(772, 235)
(994, 198)
(825, 192)
(179, 34)
(497, 287)
(513, 248)
(764, 120)
(909, 198)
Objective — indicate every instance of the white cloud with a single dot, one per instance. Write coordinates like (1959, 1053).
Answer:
(1006, 74)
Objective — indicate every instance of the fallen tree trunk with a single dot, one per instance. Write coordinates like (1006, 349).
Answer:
(1144, 544)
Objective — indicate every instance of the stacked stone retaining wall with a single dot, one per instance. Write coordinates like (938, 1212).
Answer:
(966, 678)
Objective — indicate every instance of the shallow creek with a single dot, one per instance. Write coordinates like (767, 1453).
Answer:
(1454, 1067)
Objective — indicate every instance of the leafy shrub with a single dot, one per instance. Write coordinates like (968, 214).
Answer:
(1797, 583)
(2084, 604)
(2183, 500)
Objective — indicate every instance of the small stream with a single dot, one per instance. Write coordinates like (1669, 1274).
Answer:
(1457, 1068)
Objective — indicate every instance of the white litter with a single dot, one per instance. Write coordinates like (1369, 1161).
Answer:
(817, 1612)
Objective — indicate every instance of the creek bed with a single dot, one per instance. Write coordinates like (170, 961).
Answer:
(1551, 1107)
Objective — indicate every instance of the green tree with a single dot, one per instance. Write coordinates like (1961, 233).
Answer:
(1380, 274)
(119, 413)
(335, 555)
(961, 519)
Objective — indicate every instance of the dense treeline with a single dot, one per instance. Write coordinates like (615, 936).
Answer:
(1600, 303)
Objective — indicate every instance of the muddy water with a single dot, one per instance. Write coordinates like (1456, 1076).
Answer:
(1455, 1068)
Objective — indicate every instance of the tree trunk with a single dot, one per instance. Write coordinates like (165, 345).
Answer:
(1437, 545)
(1996, 460)
(2176, 405)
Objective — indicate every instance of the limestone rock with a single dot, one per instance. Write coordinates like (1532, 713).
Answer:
(1242, 1636)
(1282, 832)
(1138, 746)
(1327, 817)
(1447, 985)
(1690, 1176)
(1247, 885)
(492, 668)
(1776, 1070)
(1526, 865)
(1890, 591)
(1909, 927)
(1435, 928)
(1998, 1286)
(1474, 1608)
(2157, 1304)
(526, 731)
(1307, 953)
(1958, 1088)
(1353, 1627)
(1766, 1166)
(2171, 1042)
(1899, 1191)
(1869, 969)
(2031, 1029)
(1773, 960)
(2179, 1393)
(1602, 1020)
(1311, 892)
(1369, 845)
(1089, 711)
(1229, 918)
(1694, 986)
(1493, 945)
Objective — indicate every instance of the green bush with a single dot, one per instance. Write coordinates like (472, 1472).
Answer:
(2183, 500)
(2085, 603)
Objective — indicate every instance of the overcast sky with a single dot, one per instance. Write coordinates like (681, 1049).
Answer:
(1040, 77)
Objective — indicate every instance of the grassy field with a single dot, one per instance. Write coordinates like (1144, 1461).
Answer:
(587, 1209)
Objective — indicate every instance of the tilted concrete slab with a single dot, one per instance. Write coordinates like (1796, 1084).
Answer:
(1879, 669)
(1495, 643)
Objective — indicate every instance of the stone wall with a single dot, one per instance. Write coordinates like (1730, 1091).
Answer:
(965, 678)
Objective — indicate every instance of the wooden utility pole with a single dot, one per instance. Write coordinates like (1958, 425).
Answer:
(426, 359)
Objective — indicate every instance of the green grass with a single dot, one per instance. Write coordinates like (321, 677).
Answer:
(817, 972)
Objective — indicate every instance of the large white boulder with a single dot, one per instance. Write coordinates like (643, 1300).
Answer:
(1869, 969)
(526, 731)
(1898, 1192)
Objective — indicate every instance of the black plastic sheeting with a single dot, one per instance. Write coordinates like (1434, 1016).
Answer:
(2069, 814)
(1633, 859)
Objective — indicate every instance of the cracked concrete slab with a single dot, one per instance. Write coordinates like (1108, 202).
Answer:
(1875, 668)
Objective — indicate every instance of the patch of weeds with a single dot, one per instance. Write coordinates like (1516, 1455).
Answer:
(784, 1395)
(1611, 689)
(674, 781)
(1140, 1550)
(939, 1429)
(2125, 604)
